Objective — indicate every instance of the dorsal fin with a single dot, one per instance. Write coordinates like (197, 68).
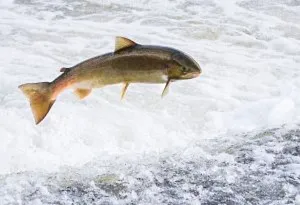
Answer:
(122, 42)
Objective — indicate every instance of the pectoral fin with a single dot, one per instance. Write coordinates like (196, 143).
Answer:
(124, 90)
(166, 89)
(82, 93)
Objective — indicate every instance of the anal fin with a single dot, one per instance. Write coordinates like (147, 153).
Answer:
(82, 93)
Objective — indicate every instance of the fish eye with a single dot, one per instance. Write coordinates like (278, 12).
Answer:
(184, 69)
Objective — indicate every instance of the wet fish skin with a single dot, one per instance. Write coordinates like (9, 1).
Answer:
(129, 63)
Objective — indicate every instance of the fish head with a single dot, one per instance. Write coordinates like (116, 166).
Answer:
(184, 67)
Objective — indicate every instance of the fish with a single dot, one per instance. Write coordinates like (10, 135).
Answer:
(129, 63)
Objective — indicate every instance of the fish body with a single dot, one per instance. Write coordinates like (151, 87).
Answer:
(129, 63)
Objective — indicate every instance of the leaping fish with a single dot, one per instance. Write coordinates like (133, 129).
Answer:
(129, 63)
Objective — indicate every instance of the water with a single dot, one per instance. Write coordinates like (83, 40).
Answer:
(230, 136)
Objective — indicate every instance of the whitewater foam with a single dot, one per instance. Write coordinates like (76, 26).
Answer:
(248, 51)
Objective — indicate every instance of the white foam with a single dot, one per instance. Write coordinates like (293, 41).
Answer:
(250, 78)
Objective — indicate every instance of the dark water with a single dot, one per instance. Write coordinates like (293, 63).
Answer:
(264, 169)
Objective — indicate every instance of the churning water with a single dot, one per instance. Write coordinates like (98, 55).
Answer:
(230, 136)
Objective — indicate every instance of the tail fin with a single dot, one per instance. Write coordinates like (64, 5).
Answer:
(39, 95)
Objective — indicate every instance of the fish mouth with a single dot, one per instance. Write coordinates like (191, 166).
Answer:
(195, 74)
(191, 75)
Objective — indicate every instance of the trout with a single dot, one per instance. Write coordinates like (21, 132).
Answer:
(129, 63)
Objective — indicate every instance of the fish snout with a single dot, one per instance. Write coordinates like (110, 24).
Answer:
(195, 74)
